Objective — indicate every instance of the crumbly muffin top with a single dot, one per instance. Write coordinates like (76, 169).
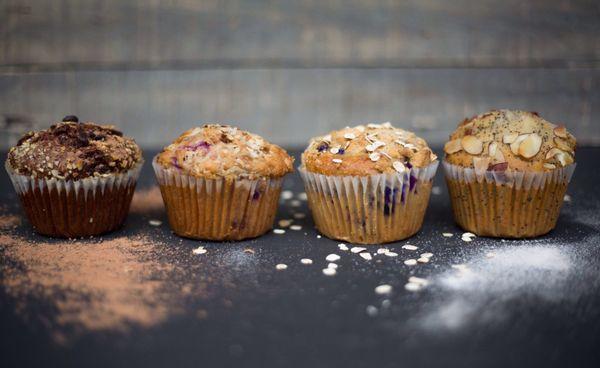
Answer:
(216, 151)
(71, 150)
(502, 140)
(366, 150)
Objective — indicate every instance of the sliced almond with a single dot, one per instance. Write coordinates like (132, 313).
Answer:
(472, 144)
(564, 158)
(492, 147)
(562, 144)
(499, 156)
(327, 138)
(432, 156)
(509, 138)
(549, 166)
(560, 131)
(553, 152)
(453, 146)
(481, 163)
(514, 146)
(530, 146)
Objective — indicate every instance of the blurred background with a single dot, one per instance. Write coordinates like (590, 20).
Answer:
(289, 70)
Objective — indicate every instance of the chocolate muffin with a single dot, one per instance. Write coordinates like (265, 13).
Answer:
(75, 179)
(368, 184)
(221, 183)
(507, 172)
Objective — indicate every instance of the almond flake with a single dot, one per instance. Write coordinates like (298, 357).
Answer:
(509, 138)
(549, 166)
(562, 144)
(453, 146)
(481, 164)
(472, 144)
(399, 166)
(514, 146)
(492, 147)
(553, 152)
(530, 146)
(560, 131)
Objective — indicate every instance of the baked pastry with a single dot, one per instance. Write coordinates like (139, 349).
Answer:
(368, 184)
(507, 172)
(221, 183)
(75, 179)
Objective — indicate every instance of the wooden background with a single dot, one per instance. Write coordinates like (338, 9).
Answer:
(290, 70)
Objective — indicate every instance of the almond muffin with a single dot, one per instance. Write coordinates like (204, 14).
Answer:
(75, 179)
(507, 172)
(368, 184)
(221, 183)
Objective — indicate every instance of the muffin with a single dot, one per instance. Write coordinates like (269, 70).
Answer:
(75, 179)
(507, 173)
(221, 183)
(368, 184)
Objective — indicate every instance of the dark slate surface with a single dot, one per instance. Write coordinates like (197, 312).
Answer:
(543, 309)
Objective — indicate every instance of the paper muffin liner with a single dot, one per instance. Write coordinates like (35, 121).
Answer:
(507, 204)
(76, 208)
(372, 209)
(218, 209)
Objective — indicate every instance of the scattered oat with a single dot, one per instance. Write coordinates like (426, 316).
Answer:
(332, 257)
(329, 271)
(382, 250)
(426, 255)
(278, 231)
(383, 289)
(391, 254)
(399, 166)
(411, 286)
(332, 265)
(302, 196)
(155, 222)
(357, 249)
(349, 136)
(567, 198)
(295, 203)
(319, 236)
(199, 250)
(287, 194)
(299, 215)
(285, 223)
(306, 261)
(281, 266)
(409, 247)
(374, 156)
(436, 190)
(423, 260)
(365, 255)
(371, 311)
(447, 235)
(296, 227)
(418, 280)
(468, 237)
(410, 262)
(342, 246)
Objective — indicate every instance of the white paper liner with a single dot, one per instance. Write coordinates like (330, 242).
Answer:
(91, 185)
(517, 179)
(242, 207)
(364, 193)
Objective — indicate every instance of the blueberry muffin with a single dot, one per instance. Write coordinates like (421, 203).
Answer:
(221, 183)
(368, 184)
(75, 179)
(507, 172)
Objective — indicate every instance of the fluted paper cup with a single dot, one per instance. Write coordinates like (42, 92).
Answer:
(218, 209)
(372, 209)
(507, 204)
(76, 208)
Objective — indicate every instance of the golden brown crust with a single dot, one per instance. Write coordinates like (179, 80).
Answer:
(221, 151)
(72, 151)
(366, 150)
(510, 140)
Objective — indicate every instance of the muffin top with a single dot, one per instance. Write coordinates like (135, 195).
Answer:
(502, 140)
(366, 150)
(217, 151)
(71, 150)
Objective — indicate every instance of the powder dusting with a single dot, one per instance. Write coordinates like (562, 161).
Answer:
(147, 201)
(93, 285)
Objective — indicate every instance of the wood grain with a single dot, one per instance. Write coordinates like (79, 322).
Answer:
(288, 106)
(115, 34)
